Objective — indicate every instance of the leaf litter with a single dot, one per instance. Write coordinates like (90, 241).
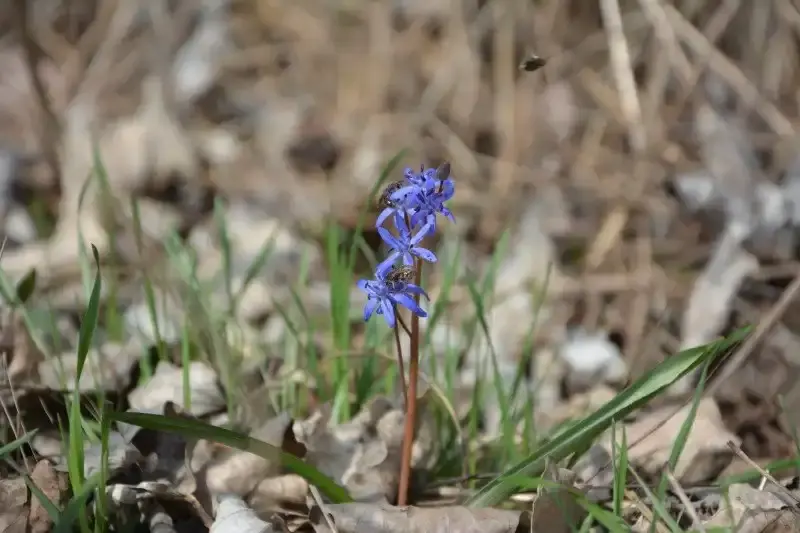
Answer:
(243, 116)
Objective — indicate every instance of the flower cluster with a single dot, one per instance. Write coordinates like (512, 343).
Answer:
(412, 204)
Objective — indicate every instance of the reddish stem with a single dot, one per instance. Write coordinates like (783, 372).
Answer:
(400, 362)
(411, 399)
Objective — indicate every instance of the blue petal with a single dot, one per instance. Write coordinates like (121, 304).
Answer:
(389, 239)
(421, 234)
(408, 302)
(408, 259)
(386, 265)
(416, 289)
(388, 312)
(383, 216)
(418, 216)
(369, 308)
(424, 253)
(406, 196)
(363, 284)
(402, 227)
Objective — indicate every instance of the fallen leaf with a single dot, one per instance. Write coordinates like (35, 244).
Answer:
(54, 486)
(13, 506)
(237, 472)
(122, 455)
(748, 510)
(166, 385)
(363, 455)
(706, 452)
(373, 518)
(272, 493)
(555, 510)
(233, 516)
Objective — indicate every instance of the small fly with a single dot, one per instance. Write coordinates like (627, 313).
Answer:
(532, 63)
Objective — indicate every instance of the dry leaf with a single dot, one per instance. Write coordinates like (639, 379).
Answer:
(755, 511)
(238, 472)
(363, 455)
(705, 454)
(373, 518)
(166, 385)
(273, 492)
(557, 510)
(13, 506)
(54, 486)
(233, 516)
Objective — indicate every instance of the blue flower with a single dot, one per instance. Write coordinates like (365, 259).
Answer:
(425, 201)
(421, 197)
(422, 177)
(386, 291)
(404, 245)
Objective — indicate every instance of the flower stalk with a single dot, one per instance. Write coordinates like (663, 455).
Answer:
(412, 205)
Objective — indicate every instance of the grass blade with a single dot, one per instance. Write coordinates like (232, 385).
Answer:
(76, 435)
(574, 437)
(76, 508)
(620, 469)
(16, 444)
(49, 506)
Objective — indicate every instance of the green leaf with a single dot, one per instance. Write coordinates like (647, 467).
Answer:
(49, 506)
(75, 464)
(574, 438)
(17, 443)
(76, 508)
(199, 430)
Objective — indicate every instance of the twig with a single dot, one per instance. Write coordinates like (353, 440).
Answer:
(784, 494)
(728, 71)
(645, 511)
(679, 492)
(623, 75)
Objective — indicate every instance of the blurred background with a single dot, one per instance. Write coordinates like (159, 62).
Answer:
(647, 176)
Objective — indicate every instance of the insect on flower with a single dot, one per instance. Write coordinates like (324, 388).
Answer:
(385, 199)
(401, 274)
(389, 289)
